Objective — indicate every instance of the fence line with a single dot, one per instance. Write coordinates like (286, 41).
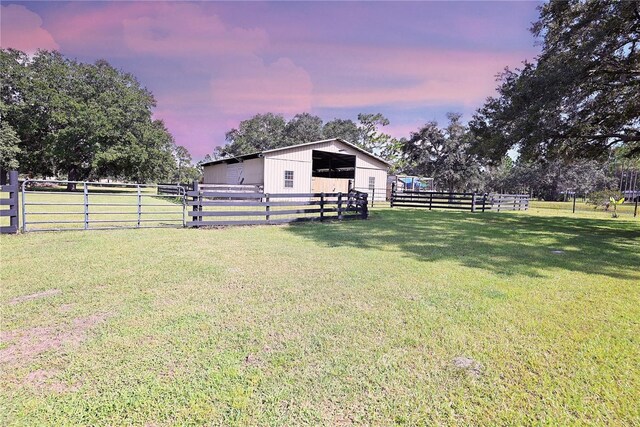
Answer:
(134, 206)
(472, 202)
(509, 202)
(11, 187)
(215, 208)
(436, 200)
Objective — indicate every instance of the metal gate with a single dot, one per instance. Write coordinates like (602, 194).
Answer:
(48, 205)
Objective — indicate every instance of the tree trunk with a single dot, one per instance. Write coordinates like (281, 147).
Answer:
(72, 176)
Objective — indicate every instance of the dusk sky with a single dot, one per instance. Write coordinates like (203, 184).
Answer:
(211, 65)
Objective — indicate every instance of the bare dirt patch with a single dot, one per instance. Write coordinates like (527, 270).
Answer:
(253, 360)
(473, 367)
(66, 308)
(24, 345)
(43, 379)
(37, 295)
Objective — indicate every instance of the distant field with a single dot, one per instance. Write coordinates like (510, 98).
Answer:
(410, 318)
(582, 209)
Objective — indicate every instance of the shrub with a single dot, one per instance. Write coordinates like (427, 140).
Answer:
(602, 199)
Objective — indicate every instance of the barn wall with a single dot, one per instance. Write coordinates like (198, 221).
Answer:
(269, 171)
(215, 174)
(251, 170)
(274, 174)
(298, 159)
(304, 154)
(362, 182)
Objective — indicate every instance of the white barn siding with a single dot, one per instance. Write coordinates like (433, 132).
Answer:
(274, 175)
(215, 174)
(304, 154)
(362, 182)
(269, 170)
(252, 171)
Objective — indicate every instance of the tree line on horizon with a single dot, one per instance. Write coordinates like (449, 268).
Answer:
(573, 117)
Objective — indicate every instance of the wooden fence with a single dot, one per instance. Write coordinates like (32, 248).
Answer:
(215, 208)
(508, 202)
(438, 200)
(471, 202)
(10, 201)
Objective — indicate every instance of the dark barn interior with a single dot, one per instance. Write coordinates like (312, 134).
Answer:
(333, 165)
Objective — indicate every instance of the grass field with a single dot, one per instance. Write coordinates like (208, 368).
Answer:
(409, 318)
(583, 210)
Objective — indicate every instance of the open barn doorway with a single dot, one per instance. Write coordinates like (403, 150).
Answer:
(331, 172)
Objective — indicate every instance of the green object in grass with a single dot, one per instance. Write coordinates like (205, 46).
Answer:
(615, 204)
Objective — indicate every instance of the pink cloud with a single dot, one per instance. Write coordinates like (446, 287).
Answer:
(199, 130)
(166, 29)
(183, 29)
(435, 76)
(251, 85)
(22, 29)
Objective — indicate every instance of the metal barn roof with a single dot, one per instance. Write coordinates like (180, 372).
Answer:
(243, 157)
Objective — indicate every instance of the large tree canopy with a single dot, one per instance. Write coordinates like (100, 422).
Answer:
(260, 132)
(443, 154)
(343, 129)
(581, 97)
(268, 131)
(303, 128)
(82, 120)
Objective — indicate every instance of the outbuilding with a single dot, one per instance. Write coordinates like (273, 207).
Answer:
(329, 166)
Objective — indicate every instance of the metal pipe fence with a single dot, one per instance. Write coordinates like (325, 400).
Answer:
(48, 206)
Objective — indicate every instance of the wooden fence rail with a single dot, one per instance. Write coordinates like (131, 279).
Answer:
(472, 202)
(508, 202)
(219, 208)
(435, 200)
(10, 201)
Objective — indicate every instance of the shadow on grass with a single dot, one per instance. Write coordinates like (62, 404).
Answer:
(504, 243)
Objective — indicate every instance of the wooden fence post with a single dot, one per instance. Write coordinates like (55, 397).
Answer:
(322, 206)
(393, 193)
(267, 207)
(473, 202)
(13, 211)
(365, 207)
(197, 198)
(13, 195)
(340, 205)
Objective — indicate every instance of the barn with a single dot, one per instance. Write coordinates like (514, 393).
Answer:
(329, 166)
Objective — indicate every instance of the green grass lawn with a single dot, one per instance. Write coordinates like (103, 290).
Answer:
(583, 210)
(361, 322)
